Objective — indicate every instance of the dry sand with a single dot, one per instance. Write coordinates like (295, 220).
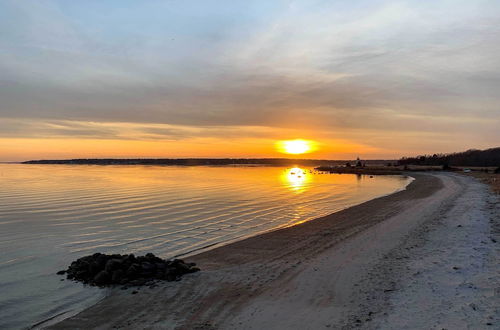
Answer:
(423, 258)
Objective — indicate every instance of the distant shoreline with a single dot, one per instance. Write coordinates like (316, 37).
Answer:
(199, 161)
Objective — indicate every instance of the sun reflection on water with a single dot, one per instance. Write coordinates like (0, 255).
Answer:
(296, 179)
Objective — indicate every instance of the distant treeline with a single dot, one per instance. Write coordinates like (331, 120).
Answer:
(200, 161)
(473, 157)
(187, 161)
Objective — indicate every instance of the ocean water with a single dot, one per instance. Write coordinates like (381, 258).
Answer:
(51, 215)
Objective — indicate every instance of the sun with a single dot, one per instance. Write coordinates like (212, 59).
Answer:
(295, 147)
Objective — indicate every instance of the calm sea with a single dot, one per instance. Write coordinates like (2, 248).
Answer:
(53, 214)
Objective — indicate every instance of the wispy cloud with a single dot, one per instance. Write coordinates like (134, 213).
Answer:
(362, 70)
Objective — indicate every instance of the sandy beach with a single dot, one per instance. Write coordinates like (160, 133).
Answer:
(425, 257)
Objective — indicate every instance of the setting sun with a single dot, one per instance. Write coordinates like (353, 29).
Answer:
(296, 147)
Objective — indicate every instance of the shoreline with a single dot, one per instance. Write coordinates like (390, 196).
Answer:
(234, 254)
(249, 277)
(194, 253)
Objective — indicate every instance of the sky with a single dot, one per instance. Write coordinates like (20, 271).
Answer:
(375, 79)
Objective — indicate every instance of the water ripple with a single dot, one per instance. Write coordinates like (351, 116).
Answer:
(50, 215)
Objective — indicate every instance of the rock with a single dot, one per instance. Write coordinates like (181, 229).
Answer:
(138, 282)
(129, 258)
(170, 277)
(194, 270)
(101, 269)
(170, 274)
(102, 278)
(117, 276)
(161, 265)
(82, 275)
(84, 265)
(113, 264)
(148, 267)
(183, 267)
(94, 268)
(133, 271)
(101, 261)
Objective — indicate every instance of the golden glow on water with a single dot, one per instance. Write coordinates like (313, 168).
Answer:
(296, 147)
(190, 206)
(49, 214)
(296, 178)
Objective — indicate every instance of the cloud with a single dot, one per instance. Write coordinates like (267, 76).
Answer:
(46, 129)
(363, 70)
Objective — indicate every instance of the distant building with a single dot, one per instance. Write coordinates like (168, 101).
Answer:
(358, 163)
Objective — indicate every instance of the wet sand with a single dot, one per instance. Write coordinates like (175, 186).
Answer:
(346, 270)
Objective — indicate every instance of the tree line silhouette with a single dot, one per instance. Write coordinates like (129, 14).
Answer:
(472, 157)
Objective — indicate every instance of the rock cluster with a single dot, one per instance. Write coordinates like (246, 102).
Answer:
(102, 269)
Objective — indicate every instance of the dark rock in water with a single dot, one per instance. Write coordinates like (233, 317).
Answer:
(170, 274)
(183, 267)
(148, 267)
(194, 269)
(113, 264)
(101, 269)
(133, 270)
(101, 260)
(94, 268)
(117, 276)
(82, 274)
(102, 278)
